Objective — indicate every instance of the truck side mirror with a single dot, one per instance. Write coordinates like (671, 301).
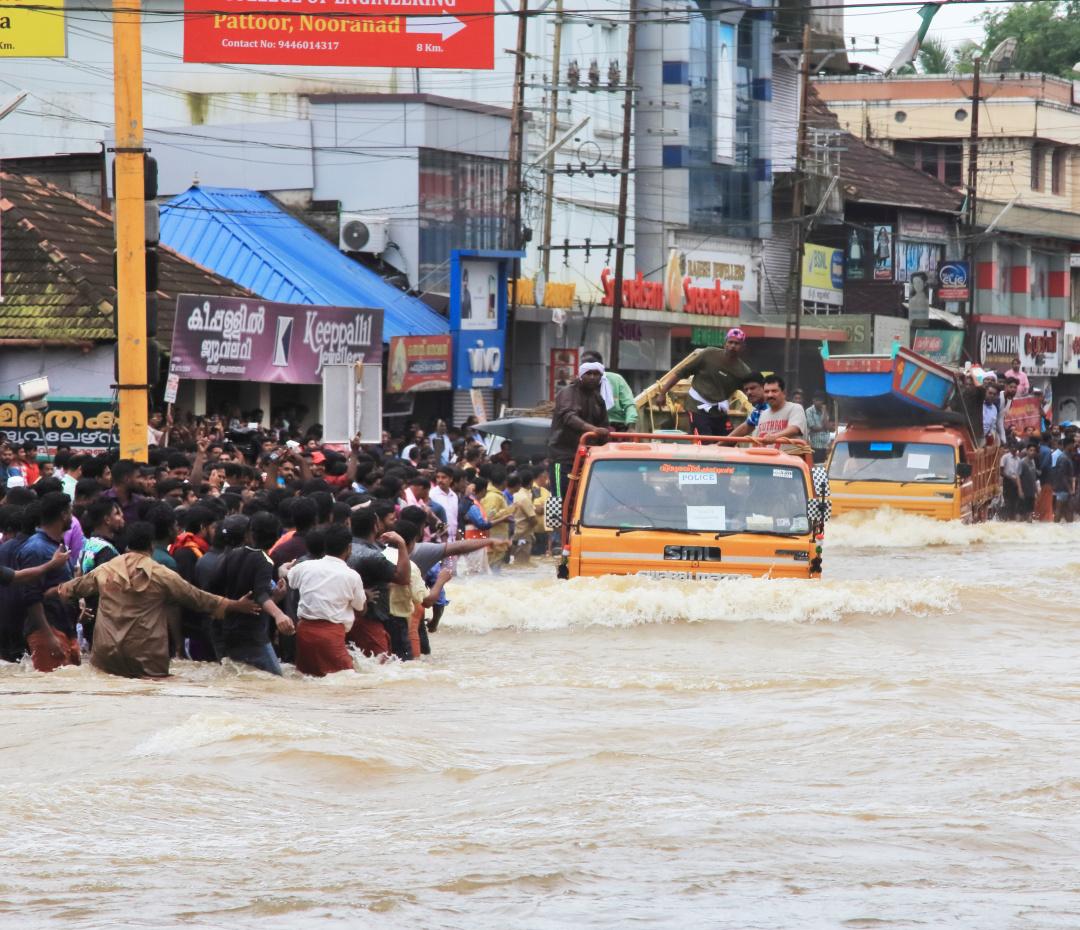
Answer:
(963, 470)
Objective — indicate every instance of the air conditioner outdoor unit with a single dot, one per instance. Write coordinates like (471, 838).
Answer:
(361, 232)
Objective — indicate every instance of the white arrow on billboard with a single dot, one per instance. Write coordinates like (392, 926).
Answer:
(446, 26)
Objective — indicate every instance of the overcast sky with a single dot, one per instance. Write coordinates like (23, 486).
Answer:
(954, 22)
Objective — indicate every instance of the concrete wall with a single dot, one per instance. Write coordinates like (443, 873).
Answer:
(71, 372)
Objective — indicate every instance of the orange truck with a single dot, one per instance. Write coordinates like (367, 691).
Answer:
(681, 507)
(912, 440)
(933, 470)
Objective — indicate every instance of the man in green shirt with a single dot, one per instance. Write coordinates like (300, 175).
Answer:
(622, 411)
(717, 374)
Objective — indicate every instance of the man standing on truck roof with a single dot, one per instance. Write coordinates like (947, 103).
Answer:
(1023, 385)
(622, 411)
(717, 374)
(993, 419)
(579, 409)
(783, 419)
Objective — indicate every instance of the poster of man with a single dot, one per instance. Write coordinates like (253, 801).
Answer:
(479, 297)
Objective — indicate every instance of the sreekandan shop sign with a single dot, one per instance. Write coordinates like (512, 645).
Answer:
(241, 339)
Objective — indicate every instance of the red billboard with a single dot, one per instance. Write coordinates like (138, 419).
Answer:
(419, 363)
(373, 33)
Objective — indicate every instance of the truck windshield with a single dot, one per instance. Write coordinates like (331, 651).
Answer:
(924, 462)
(712, 497)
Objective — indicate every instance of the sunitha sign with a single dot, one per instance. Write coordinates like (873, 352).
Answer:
(233, 338)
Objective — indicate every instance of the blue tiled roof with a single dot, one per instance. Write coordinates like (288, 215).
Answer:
(247, 238)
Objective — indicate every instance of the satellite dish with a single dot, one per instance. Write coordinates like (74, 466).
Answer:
(1001, 58)
(355, 235)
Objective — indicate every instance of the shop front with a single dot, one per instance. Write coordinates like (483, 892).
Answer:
(1067, 388)
(1037, 343)
(238, 354)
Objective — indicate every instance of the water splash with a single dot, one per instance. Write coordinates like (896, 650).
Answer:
(892, 529)
(623, 601)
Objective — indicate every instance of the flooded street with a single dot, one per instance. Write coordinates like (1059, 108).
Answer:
(892, 747)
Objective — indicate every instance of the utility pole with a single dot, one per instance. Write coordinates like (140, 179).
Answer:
(130, 222)
(624, 183)
(553, 131)
(794, 320)
(512, 212)
(972, 200)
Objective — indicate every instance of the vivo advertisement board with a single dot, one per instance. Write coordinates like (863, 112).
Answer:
(478, 310)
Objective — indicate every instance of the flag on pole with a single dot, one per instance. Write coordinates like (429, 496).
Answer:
(911, 46)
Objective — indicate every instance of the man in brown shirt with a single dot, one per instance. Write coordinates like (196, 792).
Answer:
(579, 408)
(131, 636)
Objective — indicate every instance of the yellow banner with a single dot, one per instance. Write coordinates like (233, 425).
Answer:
(32, 33)
(823, 275)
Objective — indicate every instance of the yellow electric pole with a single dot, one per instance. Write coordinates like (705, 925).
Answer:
(130, 222)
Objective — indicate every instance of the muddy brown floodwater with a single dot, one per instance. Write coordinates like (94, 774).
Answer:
(892, 747)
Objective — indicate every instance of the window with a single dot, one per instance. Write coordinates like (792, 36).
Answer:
(1058, 165)
(1037, 168)
(461, 207)
(927, 463)
(941, 160)
(695, 495)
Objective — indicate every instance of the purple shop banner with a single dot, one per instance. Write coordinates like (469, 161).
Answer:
(237, 339)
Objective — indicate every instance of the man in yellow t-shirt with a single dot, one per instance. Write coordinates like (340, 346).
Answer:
(499, 515)
(524, 511)
(541, 495)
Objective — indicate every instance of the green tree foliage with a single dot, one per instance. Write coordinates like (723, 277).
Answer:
(935, 57)
(1047, 33)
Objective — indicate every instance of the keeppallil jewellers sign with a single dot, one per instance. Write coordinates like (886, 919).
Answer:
(234, 338)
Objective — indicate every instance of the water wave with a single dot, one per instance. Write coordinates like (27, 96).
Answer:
(206, 729)
(893, 529)
(624, 601)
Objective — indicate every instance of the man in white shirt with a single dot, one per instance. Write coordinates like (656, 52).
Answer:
(440, 442)
(1012, 490)
(443, 495)
(331, 594)
(782, 419)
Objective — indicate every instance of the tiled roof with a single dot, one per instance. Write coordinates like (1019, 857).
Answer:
(869, 175)
(57, 267)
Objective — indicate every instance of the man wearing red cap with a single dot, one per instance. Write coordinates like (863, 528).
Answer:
(717, 374)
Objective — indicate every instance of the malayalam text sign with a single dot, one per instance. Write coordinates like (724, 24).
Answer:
(942, 346)
(342, 33)
(32, 30)
(419, 363)
(237, 339)
(86, 424)
(1040, 351)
